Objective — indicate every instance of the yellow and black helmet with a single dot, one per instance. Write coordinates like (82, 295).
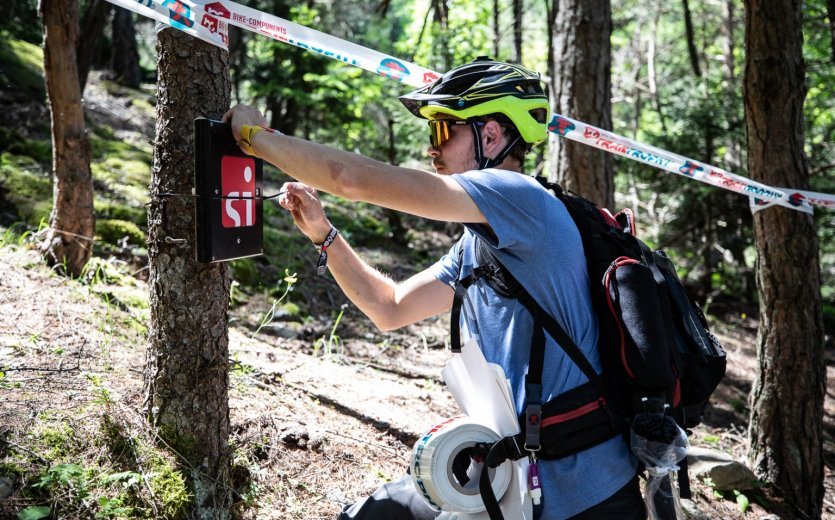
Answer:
(485, 87)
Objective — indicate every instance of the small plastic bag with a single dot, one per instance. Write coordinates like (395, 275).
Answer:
(659, 443)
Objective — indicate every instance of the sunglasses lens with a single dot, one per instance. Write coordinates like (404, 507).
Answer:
(438, 132)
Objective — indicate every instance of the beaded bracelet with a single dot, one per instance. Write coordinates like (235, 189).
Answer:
(323, 251)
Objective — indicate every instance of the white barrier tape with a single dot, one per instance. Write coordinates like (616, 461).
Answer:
(431, 466)
(812, 197)
(673, 163)
(183, 14)
(321, 43)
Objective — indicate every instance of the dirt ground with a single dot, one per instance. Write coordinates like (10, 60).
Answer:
(314, 426)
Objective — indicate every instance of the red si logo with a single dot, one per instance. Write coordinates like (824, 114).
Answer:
(237, 184)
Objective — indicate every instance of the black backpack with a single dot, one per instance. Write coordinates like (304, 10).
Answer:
(656, 351)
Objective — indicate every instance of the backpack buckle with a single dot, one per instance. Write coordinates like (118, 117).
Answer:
(533, 422)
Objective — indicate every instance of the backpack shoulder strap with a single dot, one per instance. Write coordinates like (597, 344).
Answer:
(503, 281)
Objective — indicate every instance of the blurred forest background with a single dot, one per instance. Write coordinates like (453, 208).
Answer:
(676, 84)
(677, 72)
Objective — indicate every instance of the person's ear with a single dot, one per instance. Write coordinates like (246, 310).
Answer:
(492, 139)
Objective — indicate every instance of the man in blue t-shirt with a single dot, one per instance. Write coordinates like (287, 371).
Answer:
(483, 118)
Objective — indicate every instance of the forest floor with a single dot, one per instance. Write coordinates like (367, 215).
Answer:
(314, 426)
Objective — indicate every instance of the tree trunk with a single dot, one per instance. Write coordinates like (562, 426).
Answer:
(582, 90)
(691, 38)
(69, 239)
(785, 433)
(497, 35)
(237, 59)
(187, 371)
(394, 218)
(124, 60)
(442, 19)
(92, 30)
(733, 152)
(517, 31)
(830, 11)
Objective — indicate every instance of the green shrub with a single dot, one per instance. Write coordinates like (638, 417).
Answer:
(113, 230)
(114, 210)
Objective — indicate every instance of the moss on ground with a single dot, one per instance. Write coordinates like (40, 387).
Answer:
(27, 187)
(112, 231)
(22, 66)
(104, 469)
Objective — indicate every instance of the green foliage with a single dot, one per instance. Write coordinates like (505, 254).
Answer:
(245, 272)
(114, 230)
(123, 168)
(331, 344)
(290, 280)
(169, 485)
(40, 150)
(128, 478)
(118, 211)
(19, 19)
(183, 444)
(34, 513)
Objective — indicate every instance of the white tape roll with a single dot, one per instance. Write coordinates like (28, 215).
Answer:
(431, 466)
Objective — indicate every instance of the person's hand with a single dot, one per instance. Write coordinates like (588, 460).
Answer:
(241, 115)
(303, 204)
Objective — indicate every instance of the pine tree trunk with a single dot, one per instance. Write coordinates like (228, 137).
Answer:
(187, 371)
(785, 432)
(124, 60)
(92, 30)
(830, 10)
(69, 239)
(582, 90)
(517, 31)
(497, 35)
(691, 38)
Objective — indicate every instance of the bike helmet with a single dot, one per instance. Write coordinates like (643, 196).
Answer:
(485, 87)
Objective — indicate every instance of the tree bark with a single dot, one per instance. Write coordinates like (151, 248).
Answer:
(733, 151)
(785, 432)
(92, 30)
(187, 371)
(441, 8)
(517, 31)
(394, 218)
(691, 38)
(497, 35)
(69, 239)
(124, 60)
(830, 12)
(582, 90)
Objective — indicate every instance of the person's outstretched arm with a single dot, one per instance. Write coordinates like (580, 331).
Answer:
(390, 305)
(356, 177)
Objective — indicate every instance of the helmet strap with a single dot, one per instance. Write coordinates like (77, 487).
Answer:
(486, 162)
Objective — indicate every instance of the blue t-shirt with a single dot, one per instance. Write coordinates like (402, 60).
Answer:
(534, 237)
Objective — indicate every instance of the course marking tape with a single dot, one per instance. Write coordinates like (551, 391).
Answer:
(207, 20)
(432, 461)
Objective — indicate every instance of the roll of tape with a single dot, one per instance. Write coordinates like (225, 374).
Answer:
(432, 460)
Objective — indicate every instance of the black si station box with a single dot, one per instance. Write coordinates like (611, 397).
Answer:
(228, 185)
